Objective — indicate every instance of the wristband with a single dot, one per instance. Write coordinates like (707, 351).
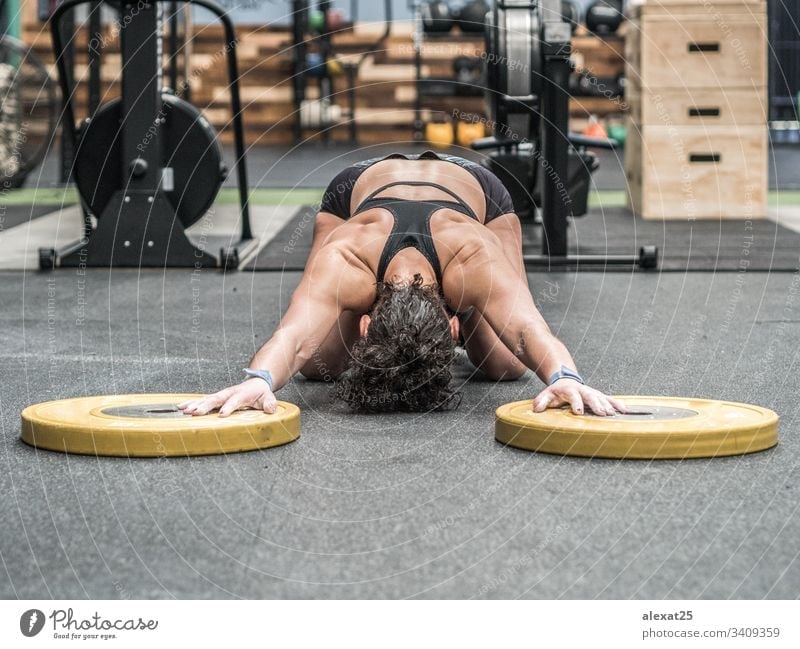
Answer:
(566, 373)
(260, 374)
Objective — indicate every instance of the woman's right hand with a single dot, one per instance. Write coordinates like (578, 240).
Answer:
(251, 393)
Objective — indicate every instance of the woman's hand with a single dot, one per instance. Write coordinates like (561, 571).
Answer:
(576, 396)
(252, 393)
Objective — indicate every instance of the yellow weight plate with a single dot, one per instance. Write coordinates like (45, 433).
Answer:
(150, 425)
(655, 428)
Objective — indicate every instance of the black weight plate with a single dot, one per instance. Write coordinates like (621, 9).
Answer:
(190, 148)
(513, 67)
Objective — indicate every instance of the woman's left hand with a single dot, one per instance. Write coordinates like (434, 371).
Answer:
(577, 396)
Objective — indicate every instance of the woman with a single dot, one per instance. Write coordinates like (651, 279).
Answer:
(410, 255)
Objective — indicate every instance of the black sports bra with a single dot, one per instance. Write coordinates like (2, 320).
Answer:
(336, 198)
(412, 223)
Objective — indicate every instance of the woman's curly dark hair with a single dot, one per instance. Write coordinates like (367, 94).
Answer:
(403, 364)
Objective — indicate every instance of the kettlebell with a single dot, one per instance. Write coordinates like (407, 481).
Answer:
(604, 16)
(436, 17)
(468, 132)
(439, 134)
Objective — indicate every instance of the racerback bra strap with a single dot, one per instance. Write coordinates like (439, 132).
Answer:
(412, 222)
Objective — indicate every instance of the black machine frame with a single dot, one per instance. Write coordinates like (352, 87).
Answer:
(528, 45)
(139, 226)
(784, 64)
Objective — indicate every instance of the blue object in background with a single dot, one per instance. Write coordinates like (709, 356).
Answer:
(279, 12)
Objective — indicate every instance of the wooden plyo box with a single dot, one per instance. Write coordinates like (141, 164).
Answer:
(697, 96)
(697, 106)
(697, 172)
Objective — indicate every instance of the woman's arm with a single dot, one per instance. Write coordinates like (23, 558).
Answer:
(313, 311)
(508, 230)
(503, 298)
(334, 283)
(324, 224)
(482, 345)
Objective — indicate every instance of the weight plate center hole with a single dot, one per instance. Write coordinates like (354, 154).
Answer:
(146, 411)
(648, 413)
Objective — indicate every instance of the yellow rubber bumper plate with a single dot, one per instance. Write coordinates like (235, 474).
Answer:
(150, 425)
(654, 428)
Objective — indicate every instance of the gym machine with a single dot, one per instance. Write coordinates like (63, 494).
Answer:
(148, 165)
(544, 166)
(314, 57)
(178, 25)
(784, 72)
(45, 9)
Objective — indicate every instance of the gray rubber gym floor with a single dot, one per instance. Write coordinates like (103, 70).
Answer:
(397, 506)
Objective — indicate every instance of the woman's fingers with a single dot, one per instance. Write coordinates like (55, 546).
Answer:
(269, 404)
(610, 409)
(604, 405)
(192, 403)
(233, 403)
(541, 402)
(578, 397)
(207, 404)
(231, 399)
(190, 406)
(575, 401)
(618, 405)
(601, 405)
(596, 405)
